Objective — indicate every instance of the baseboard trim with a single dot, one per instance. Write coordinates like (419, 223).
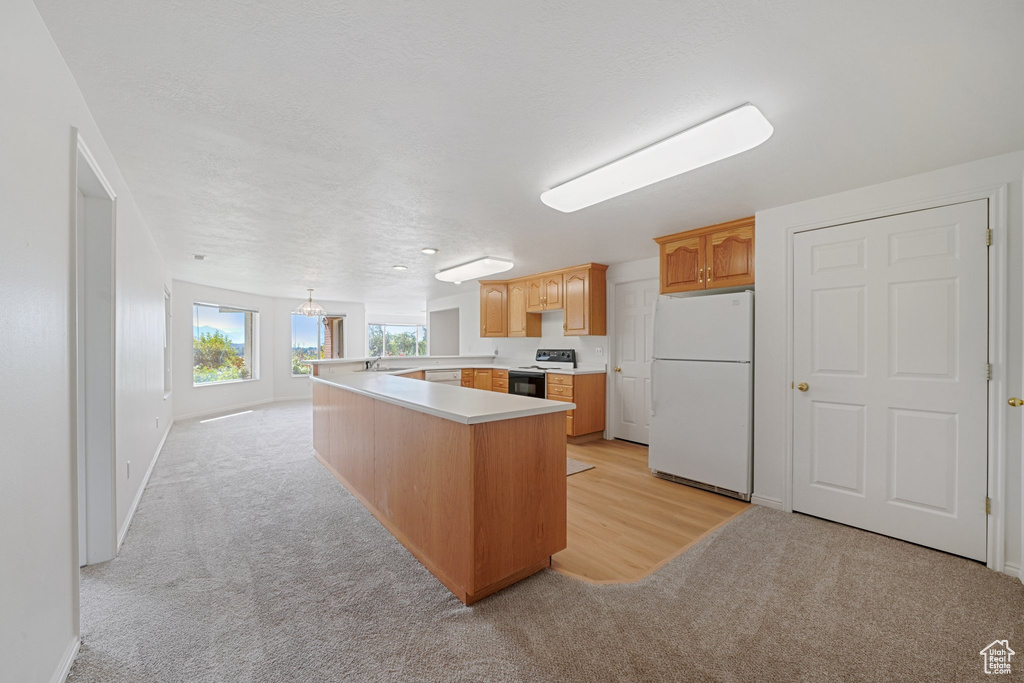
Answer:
(240, 407)
(67, 661)
(1013, 570)
(145, 482)
(773, 503)
(226, 409)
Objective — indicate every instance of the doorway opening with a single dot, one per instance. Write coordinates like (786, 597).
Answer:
(92, 334)
(631, 377)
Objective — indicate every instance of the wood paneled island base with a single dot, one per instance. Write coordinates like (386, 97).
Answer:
(481, 505)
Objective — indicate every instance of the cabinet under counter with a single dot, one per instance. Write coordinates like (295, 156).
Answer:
(473, 487)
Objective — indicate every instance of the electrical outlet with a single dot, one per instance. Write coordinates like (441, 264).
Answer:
(599, 351)
(128, 469)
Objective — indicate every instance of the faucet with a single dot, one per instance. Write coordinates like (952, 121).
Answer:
(374, 364)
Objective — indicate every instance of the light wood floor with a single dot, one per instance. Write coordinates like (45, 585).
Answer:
(624, 523)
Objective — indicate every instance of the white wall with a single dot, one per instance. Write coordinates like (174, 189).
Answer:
(274, 342)
(38, 568)
(772, 385)
(443, 332)
(395, 319)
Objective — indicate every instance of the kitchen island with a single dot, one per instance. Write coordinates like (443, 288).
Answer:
(472, 483)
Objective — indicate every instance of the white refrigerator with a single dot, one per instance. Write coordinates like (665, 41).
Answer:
(702, 385)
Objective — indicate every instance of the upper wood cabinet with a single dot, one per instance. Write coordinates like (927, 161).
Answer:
(521, 323)
(584, 300)
(544, 293)
(682, 265)
(579, 290)
(707, 258)
(493, 309)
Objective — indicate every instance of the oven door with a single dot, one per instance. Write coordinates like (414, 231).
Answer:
(526, 385)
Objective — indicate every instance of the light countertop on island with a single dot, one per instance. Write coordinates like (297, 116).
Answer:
(417, 364)
(459, 404)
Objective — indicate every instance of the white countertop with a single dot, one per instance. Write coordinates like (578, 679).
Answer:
(492, 366)
(459, 404)
(418, 359)
(453, 363)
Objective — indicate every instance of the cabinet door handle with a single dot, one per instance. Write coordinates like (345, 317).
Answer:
(700, 275)
(709, 273)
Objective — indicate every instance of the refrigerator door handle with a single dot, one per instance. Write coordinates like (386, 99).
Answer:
(654, 364)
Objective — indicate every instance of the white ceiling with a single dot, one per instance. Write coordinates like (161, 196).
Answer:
(312, 143)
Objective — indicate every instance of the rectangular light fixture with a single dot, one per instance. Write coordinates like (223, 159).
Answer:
(733, 132)
(482, 267)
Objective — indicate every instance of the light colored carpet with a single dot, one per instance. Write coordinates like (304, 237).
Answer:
(575, 467)
(247, 561)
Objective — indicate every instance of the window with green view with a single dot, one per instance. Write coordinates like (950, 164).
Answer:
(223, 344)
(397, 340)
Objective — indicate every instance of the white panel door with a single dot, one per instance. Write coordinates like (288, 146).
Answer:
(891, 335)
(634, 306)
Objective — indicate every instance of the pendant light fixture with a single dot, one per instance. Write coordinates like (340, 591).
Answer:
(309, 307)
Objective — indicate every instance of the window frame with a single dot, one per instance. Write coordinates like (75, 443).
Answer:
(321, 337)
(384, 337)
(252, 335)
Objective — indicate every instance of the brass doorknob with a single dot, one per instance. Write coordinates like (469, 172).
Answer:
(618, 369)
(803, 386)
(1016, 402)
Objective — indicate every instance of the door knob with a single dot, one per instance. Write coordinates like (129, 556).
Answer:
(803, 386)
(618, 369)
(1016, 402)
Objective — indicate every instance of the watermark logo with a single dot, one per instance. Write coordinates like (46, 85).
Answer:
(997, 657)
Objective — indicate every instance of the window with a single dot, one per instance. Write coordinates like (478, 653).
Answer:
(397, 340)
(223, 344)
(314, 338)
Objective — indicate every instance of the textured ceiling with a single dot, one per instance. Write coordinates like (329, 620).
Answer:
(313, 143)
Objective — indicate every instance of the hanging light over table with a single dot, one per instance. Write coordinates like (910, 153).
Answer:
(309, 307)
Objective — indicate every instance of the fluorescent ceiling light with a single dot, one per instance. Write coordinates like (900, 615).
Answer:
(429, 251)
(399, 267)
(723, 136)
(482, 267)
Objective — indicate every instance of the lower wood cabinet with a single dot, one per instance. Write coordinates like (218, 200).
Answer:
(588, 393)
(482, 379)
(419, 374)
(499, 381)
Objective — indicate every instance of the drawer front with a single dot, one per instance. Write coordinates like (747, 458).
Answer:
(467, 373)
(499, 374)
(568, 426)
(563, 380)
(555, 390)
(500, 390)
(482, 373)
(468, 382)
(497, 383)
(563, 399)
